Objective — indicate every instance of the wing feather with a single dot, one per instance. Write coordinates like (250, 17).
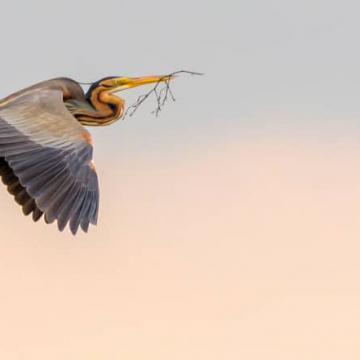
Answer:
(14, 187)
(48, 159)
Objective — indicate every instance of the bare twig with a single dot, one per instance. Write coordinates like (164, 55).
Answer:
(162, 95)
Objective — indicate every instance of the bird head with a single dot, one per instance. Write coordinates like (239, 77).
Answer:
(109, 107)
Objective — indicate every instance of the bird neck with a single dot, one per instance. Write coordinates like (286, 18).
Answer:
(107, 108)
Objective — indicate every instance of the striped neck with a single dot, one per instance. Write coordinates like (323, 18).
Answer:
(108, 108)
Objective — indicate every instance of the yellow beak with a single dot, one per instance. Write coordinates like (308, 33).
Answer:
(123, 83)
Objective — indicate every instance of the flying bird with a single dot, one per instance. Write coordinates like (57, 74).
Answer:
(46, 152)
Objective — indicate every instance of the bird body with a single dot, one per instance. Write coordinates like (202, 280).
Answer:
(46, 152)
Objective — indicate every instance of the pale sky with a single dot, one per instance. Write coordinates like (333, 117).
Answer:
(229, 225)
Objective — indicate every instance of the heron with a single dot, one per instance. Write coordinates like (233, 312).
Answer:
(46, 153)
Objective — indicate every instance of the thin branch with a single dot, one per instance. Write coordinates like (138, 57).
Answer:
(162, 95)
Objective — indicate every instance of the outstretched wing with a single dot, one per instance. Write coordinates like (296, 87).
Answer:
(50, 154)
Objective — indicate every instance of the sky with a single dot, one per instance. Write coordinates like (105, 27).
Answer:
(229, 224)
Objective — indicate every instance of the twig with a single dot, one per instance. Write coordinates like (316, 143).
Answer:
(161, 95)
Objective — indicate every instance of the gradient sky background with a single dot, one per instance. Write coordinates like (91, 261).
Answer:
(229, 225)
